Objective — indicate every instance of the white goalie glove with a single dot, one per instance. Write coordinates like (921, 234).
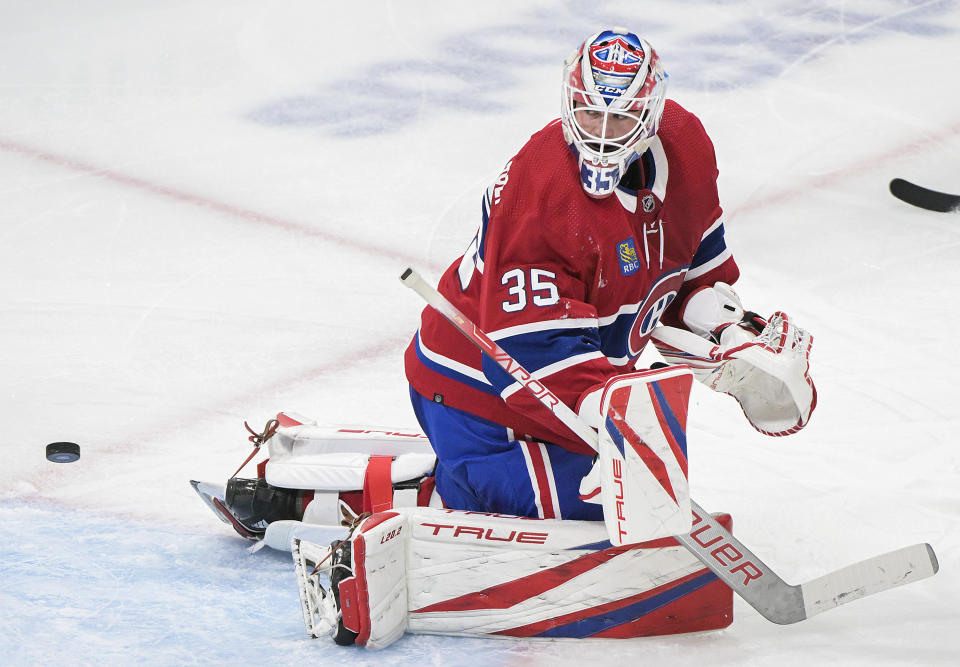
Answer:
(764, 364)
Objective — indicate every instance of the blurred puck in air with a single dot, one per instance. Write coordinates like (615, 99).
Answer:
(63, 452)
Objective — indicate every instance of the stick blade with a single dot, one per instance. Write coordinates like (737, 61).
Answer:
(925, 198)
(874, 575)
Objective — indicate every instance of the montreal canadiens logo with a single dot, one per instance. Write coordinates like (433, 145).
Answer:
(658, 299)
(616, 55)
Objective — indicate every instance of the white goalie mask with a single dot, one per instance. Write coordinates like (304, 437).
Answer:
(614, 89)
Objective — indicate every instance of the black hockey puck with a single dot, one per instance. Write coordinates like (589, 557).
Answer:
(63, 452)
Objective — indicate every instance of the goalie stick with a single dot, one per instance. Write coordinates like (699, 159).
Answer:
(930, 200)
(711, 543)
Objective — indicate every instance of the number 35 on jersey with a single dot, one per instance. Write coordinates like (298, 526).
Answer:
(536, 286)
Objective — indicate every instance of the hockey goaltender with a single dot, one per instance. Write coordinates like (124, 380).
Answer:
(548, 495)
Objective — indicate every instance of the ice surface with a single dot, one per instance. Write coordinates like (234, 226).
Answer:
(205, 208)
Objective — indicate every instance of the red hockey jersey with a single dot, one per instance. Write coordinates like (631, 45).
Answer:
(572, 286)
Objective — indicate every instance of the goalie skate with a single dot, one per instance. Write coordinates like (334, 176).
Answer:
(213, 497)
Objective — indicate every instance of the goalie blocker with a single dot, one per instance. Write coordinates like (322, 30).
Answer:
(640, 474)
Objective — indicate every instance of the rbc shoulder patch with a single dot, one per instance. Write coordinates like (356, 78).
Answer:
(627, 253)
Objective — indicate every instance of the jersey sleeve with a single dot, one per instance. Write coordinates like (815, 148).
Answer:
(712, 260)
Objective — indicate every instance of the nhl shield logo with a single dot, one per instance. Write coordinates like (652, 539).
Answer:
(627, 254)
(649, 203)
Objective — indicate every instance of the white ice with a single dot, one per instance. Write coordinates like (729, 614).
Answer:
(205, 207)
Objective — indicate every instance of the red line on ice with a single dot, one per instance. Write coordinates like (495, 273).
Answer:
(169, 423)
(182, 196)
(858, 168)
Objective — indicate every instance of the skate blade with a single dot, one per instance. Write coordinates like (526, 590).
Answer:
(213, 496)
(207, 493)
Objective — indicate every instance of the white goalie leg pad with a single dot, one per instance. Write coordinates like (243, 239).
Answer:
(330, 458)
(477, 574)
(437, 571)
(384, 468)
(642, 458)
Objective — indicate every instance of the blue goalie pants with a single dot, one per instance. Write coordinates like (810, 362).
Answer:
(483, 468)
